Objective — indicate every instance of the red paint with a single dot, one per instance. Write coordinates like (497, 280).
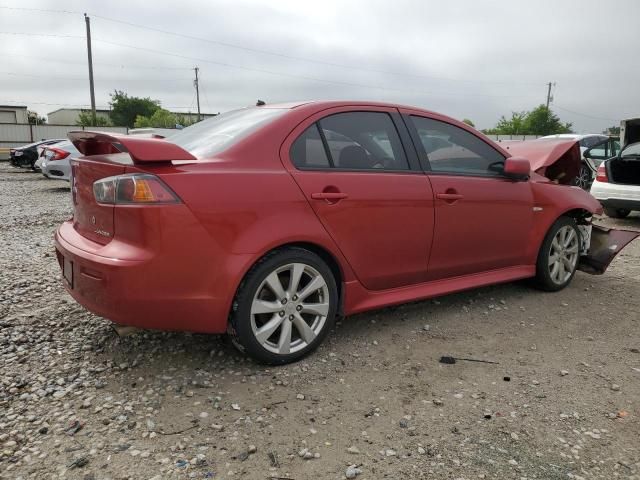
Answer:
(395, 236)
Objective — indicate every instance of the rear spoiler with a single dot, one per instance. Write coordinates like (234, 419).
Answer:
(141, 150)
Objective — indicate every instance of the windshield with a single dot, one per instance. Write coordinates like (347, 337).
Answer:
(212, 136)
(632, 150)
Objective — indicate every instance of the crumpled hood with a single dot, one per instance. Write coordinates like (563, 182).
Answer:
(557, 159)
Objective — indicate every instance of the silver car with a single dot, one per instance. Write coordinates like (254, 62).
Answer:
(56, 160)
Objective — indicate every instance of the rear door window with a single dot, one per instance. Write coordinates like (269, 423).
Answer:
(363, 141)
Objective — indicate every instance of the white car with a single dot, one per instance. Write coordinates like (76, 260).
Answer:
(56, 160)
(617, 184)
(588, 167)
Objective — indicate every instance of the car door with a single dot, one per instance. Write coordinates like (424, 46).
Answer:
(360, 173)
(482, 219)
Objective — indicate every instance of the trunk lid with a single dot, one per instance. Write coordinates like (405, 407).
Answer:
(91, 219)
(107, 155)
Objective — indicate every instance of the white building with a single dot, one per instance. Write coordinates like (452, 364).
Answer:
(13, 114)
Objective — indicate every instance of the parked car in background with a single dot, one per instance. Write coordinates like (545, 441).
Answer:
(268, 222)
(27, 155)
(617, 184)
(588, 168)
(55, 160)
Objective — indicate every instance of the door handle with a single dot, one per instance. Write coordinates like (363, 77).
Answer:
(329, 196)
(449, 197)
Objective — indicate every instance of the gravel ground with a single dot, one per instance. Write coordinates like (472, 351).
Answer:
(79, 402)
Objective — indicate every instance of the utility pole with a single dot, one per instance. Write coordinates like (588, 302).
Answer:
(93, 95)
(195, 83)
(548, 95)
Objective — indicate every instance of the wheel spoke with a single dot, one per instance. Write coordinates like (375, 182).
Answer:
(284, 343)
(561, 272)
(554, 270)
(296, 274)
(264, 332)
(315, 284)
(553, 258)
(569, 237)
(273, 281)
(567, 264)
(305, 331)
(555, 244)
(262, 306)
(316, 308)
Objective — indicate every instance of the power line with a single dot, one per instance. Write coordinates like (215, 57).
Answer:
(273, 53)
(112, 65)
(31, 34)
(303, 77)
(584, 114)
(297, 58)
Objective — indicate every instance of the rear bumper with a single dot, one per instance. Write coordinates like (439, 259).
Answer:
(613, 195)
(136, 287)
(621, 204)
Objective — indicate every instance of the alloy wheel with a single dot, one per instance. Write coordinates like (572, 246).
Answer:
(290, 308)
(583, 180)
(563, 254)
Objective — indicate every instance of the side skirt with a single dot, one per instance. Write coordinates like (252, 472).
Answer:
(358, 299)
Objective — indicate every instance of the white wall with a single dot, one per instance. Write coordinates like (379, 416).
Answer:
(17, 135)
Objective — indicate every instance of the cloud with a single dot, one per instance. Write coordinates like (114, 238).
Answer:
(467, 58)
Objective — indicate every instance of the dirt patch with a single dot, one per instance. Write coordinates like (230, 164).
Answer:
(78, 402)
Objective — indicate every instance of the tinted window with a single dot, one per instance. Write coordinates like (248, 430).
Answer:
(212, 136)
(592, 141)
(308, 151)
(364, 141)
(454, 150)
(632, 150)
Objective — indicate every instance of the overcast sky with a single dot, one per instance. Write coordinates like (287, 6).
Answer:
(465, 58)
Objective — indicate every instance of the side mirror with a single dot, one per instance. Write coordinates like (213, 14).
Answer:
(587, 153)
(517, 168)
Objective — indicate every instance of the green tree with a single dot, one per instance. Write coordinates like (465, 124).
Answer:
(468, 122)
(161, 118)
(125, 109)
(34, 118)
(512, 126)
(85, 119)
(539, 121)
(542, 121)
(612, 131)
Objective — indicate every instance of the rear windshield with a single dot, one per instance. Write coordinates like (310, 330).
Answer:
(212, 136)
(632, 150)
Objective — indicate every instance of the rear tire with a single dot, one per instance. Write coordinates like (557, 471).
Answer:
(284, 307)
(617, 212)
(558, 256)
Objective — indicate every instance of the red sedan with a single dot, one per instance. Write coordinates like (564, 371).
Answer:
(268, 222)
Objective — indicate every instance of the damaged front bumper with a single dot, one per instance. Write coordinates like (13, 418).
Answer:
(604, 245)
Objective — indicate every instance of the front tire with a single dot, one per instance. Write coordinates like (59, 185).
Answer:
(558, 256)
(284, 307)
(617, 212)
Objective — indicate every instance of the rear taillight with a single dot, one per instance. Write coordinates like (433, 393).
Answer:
(133, 189)
(601, 174)
(53, 153)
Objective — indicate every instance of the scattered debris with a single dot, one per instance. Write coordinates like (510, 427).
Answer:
(451, 360)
